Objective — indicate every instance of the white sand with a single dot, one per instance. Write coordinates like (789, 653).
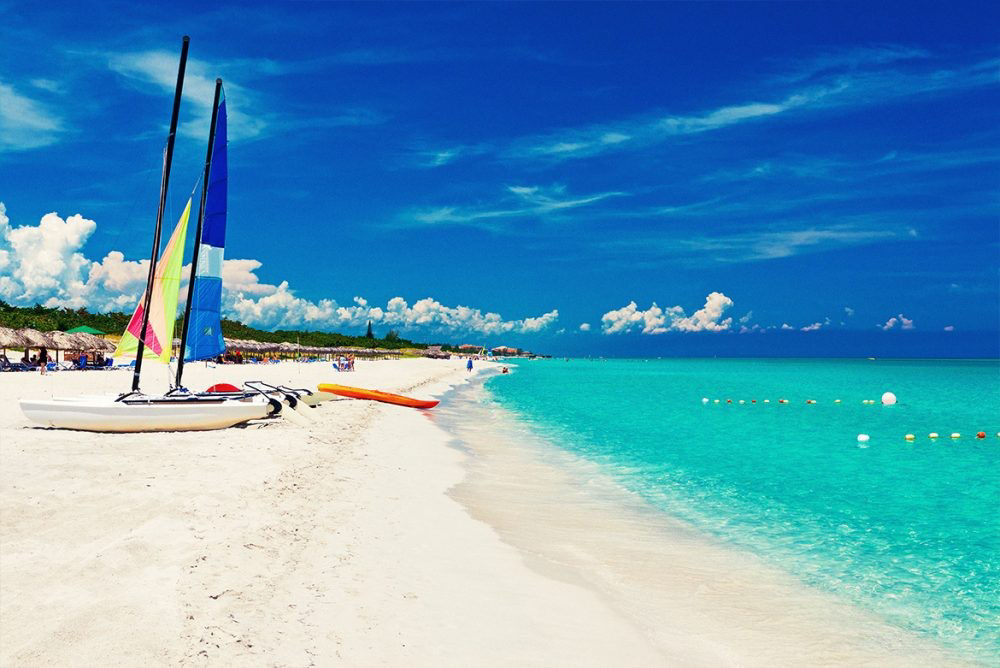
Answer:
(272, 544)
(353, 541)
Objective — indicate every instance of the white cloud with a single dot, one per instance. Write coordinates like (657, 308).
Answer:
(584, 326)
(656, 320)
(949, 328)
(159, 68)
(897, 320)
(25, 123)
(849, 311)
(813, 327)
(520, 202)
(44, 263)
(785, 325)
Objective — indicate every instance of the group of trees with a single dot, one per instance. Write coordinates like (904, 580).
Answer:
(48, 319)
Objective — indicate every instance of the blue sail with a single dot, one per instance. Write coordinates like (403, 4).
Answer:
(204, 339)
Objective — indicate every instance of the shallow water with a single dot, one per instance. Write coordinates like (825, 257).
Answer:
(907, 530)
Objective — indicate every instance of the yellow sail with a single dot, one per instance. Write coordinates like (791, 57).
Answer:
(162, 305)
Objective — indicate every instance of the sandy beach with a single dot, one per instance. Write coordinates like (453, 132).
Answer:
(369, 538)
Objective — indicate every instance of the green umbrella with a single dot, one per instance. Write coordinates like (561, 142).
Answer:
(85, 329)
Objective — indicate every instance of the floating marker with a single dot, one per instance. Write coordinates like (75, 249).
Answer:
(767, 401)
(863, 438)
(836, 401)
(704, 400)
(888, 399)
(742, 401)
(981, 434)
(810, 401)
(955, 434)
(933, 434)
(716, 401)
(909, 437)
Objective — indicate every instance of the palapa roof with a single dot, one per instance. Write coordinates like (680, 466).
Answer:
(11, 338)
(35, 339)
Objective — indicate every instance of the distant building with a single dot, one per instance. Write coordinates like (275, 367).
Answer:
(470, 347)
(436, 353)
(506, 351)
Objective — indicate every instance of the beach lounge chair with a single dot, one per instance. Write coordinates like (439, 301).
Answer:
(7, 365)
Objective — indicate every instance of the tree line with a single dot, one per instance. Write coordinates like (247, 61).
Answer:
(47, 319)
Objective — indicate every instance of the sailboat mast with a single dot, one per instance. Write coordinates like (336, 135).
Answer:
(159, 214)
(197, 235)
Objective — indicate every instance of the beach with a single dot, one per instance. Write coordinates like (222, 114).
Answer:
(375, 536)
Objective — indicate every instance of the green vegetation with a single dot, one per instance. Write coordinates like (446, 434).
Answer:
(47, 319)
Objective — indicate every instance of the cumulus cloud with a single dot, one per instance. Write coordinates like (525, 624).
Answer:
(813, 327)
(849, 311)
(657, 320)
(949, 328)
(584, 326)
(897, 320)
(44, 263)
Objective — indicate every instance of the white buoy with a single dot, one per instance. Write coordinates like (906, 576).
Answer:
(767, 401)
(888, 399)
(955, 434)
(909, 437)
(716, 401)
(863, 438)
(836, 401)
(742, 401)
(933, 434)
(704, 400)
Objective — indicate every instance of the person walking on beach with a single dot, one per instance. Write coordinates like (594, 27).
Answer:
(468, 367)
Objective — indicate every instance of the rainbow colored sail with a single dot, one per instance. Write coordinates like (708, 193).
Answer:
(162, 305)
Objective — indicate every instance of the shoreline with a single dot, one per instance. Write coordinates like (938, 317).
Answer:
(376, 536)
(699, 601)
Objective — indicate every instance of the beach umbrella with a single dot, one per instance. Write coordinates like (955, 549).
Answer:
(10, 338)
(86, 330)
(90, 342)
(35, 339)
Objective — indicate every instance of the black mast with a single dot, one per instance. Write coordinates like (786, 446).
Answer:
(197, 235)
(159, 216)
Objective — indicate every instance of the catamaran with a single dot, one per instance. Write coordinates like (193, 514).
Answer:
(149, 334)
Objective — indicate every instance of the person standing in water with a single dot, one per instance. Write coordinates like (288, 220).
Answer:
(468, 367)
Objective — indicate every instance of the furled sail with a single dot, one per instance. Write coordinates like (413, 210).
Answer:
(204, 338)
(163, 305)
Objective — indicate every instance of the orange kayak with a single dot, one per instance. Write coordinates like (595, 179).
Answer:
(375, 395)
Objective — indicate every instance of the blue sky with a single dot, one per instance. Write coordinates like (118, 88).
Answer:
(707, 177)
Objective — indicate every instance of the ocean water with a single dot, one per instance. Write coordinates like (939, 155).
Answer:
(907, 530)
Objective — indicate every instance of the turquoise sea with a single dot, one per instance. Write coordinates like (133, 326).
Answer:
(908, 530)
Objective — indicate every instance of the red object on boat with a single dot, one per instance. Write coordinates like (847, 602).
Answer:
(375, 395)
(223, 387)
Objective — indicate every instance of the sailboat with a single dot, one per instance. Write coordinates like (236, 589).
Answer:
(149, 334)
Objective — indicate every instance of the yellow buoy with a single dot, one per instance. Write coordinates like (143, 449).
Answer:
(909, 437)
(836, 401)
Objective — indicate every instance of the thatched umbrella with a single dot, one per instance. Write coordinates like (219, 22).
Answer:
(35, 339)
(10, 338)
(89, 342)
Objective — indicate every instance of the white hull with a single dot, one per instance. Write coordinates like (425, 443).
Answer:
(106, 414)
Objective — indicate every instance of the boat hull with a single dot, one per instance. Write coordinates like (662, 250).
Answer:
(108, 415)
(375, 395)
